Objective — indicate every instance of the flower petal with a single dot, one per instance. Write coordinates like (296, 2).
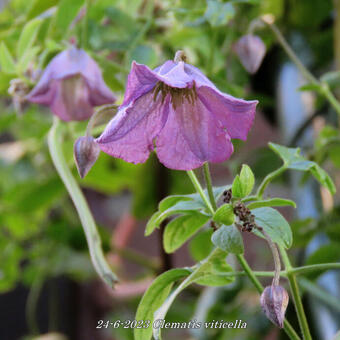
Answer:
(70, 101)
(236, 115)
(191, 137)
(131, 132)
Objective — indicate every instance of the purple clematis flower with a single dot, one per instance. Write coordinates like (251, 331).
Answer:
(72, 85)
(179, 111)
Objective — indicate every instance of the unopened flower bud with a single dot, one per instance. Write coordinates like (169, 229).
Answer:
(251, 51)
(86, 152)
(274, 302)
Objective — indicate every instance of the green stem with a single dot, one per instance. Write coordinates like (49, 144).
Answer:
(86, 218)
(267, 180)
(199, 190)
(304, 71)
(31, 304)
(296, 295)
(208, 182)
(85, 25)
(314, 268)
(287, 327)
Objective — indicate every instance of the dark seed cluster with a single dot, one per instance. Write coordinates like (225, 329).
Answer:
(245, 216)
(227, 196)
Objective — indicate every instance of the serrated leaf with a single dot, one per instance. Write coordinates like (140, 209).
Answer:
(6, 60)
(154, 297)
(293, 160)
(229, 239)
(179, 230)
(272, 202)
(27, 37)
(224, 214)
(274, 224)
(247, 180)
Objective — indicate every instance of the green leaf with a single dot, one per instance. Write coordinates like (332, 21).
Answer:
(331, 78)
(179, 230)
(224, 214)
(27, 37)
(152, 223)
(205, 270)
(325, 254)
(6, 60)
(67, 11)
(237, 187)
(274, 224)
(200, 246)
(272, 202)
(293, 160)
(229, 239)
(218, 13)
(170, 201)
(213, 272)
(247, 180)
(40, 6)
(154, 297)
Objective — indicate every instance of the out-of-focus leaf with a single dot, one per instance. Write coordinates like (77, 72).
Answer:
(219, 13)
(293, 160)
(27, 37)
(229, 239)
(179, 230)
(6, 60)
(327, 253)
(274, 224)
(67, 11)
(154, 297)
(40, 6)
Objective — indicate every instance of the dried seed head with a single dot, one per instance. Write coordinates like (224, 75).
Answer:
(251, 51)
(86, 152)
(274, 302)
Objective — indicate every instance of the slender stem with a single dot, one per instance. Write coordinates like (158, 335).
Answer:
(199, 190)
(304, 71)
(267, 180)
(276, 256)
(314, 268)
(208, 182)
(85, 24)
(87, 221)
(320, 293)
(287, 327)
(296, 296)
(31, 304)
(244, 264)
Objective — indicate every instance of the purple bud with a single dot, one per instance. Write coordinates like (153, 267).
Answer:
(274, 302)
(251, 51)
(86, 152)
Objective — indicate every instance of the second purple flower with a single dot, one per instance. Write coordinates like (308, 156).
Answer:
(178, 111)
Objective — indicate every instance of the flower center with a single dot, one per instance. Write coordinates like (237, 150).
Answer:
(177, 95)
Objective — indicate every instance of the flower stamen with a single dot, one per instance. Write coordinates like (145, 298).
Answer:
(177, 95)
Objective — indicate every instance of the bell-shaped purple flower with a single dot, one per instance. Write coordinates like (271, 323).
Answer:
(178, 111)
(71, 85)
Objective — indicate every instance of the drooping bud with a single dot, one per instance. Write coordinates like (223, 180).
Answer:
(274, 302)
(251, 51)
(86, 152)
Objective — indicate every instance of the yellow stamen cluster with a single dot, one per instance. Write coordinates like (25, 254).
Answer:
(177, 94)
